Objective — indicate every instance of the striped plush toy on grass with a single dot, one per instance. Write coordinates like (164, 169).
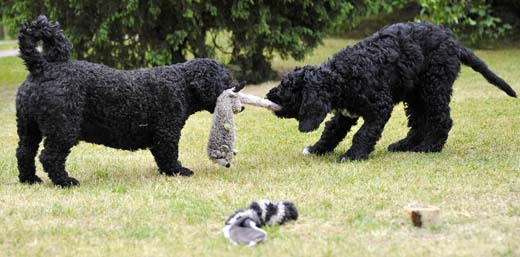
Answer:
(245, 226)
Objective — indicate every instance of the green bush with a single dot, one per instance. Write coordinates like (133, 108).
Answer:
(245, 34)
(140, 33)
(123, 34)
(471, 20)
(287, 28)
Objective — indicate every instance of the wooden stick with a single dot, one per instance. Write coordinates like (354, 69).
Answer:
(257, 101)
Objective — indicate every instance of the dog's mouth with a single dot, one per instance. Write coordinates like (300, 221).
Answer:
(285, 114)
(282, 113)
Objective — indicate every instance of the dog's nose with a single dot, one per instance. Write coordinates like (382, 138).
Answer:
(228, 165)
(243, 108)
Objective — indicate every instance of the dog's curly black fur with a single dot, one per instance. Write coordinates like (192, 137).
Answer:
(414, 63)
(68, 101)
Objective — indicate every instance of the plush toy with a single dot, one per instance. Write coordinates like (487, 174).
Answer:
(222, 135)
(244, 226)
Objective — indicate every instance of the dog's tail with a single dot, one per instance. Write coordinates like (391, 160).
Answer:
(468, 58)
(56, 46)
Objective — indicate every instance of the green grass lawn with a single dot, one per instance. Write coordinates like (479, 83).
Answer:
(125, 208)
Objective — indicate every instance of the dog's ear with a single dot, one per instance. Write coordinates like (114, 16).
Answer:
(313, 110)
(240, 86)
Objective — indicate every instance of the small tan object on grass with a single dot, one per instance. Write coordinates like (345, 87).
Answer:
(423, 215)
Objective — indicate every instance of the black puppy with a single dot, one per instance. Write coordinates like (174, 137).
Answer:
(416, 63)
(68, 101)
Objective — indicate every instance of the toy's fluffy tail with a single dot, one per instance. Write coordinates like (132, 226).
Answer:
(56, 46)
(468, 58)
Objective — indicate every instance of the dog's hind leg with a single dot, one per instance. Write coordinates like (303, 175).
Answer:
(416, 122)
(438, 121)
(30, 137)
(61, 134)
(166, 151)
(438, 125)
(435, 92)
(335, 131)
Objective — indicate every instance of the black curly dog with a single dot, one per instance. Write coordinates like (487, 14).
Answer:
(67, 101)
(415, 63)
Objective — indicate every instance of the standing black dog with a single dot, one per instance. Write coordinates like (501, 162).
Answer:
(416, 63)
(69, 101)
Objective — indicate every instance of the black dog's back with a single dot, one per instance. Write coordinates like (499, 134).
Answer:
(116, 108)
(402, 52)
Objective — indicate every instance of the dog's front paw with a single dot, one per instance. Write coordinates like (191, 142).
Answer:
(315, 150)
(400, 146)
(33, 179)
(184, 172)
(67, 182)
(351, 156)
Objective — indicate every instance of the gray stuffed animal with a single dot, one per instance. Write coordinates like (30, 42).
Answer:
(223, 132)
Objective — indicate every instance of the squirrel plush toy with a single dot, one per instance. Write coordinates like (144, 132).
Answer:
(223, 131)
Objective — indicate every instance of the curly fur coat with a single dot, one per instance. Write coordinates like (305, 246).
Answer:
(67, 101)
(414, 63)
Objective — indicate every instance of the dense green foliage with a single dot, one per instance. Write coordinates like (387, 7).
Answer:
(244, 34)
(289, 28)
(472, 20)
(137, 33)
(124, 34)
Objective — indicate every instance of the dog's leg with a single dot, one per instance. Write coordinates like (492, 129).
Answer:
(335, 131)
(366, 138)
(54, 155)
(166, 151)
(439, 125)
(437, 90)
(416, 122)
(60, 128)
(30, 137)
(437, 84)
